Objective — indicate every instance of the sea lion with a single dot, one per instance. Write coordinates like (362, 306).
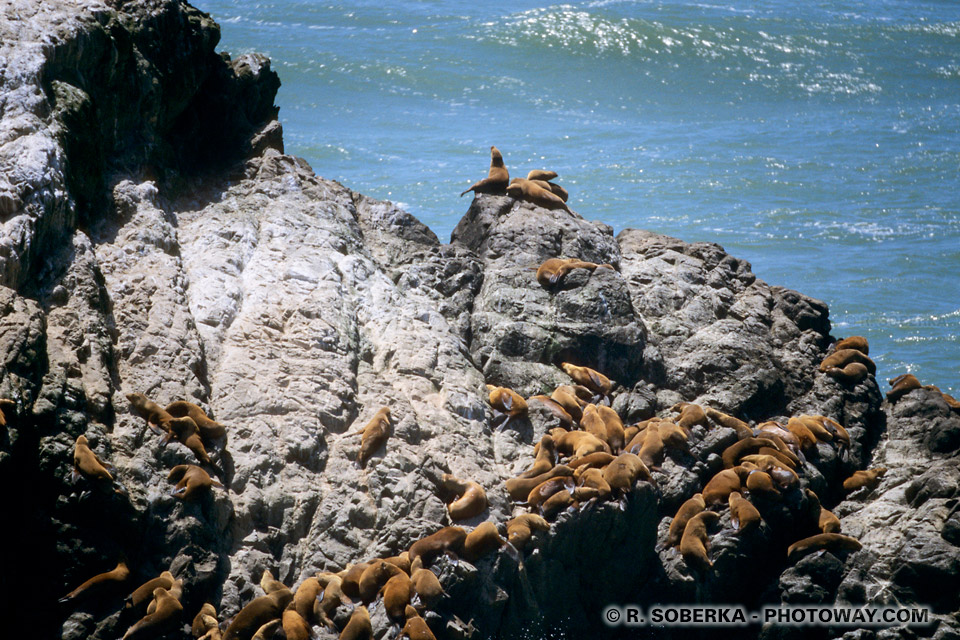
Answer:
(268, 630)
(578, 443)
(902, 385)
(415, 627)
(725, 420)
(481, 541)
(569, 402)
(784, 476)
(807, 439)
(596, 460)
(623, 472)
(185, 431)
(719, 487)
(595, 381)
(401, 560)
(350, 579)
(615, 432)
(397, 593)
(541, 174)
(828, 522)
(144, 593)
(209, 429)
(593, 423)
(695, 542)
(744, 515)
(553, 270)
(869, 478)
(786, 441)
(761, 483)
(691, 507)
(522, 189)
(690, 415)
(672, 436)
(205, 625)
(257, 613)
(358, 626)
(425, 583)
(373, 436)
(269, 584)
(545, 490)
(149, 410)
(783, 459)
(497, 178)
(295, 627)
(471, 500)
(447, 539)
(816, 427)
(545, 460)
(732, 454)
(850, 374)
(519, 488)
(854, 342)
(651, 451)
(192, 481)
(843, 357)
(506, 401)
(101, 581)
(521, 528)
(162, 620)
(86, 463)
(557, 503)
(840, 434)
(591, 477)
(374, 577)
(822, 542)
(7, 407)
(333, 597)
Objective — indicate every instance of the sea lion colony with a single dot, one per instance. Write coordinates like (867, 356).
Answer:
(587, 456)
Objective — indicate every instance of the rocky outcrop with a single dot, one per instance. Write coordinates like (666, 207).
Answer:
(157, 240)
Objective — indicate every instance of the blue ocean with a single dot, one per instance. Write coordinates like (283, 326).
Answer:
(818, 140)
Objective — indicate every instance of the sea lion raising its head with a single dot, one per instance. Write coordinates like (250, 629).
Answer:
(497, 179)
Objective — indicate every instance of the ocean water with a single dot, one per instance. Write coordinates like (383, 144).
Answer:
(818, 140)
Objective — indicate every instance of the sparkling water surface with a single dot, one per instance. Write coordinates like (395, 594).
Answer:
(818, 140)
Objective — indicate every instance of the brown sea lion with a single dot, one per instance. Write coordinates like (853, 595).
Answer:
(724, 420)
(523, 189)
(269, 584)
(358, 626)
(592, 380)
(446, 539)
(719, 487)
(651, 451)
(333, 597)
(691, 507)
(143, 594)
(578, 443)
(557, 503)
(100, 582)
(822, 542)
(185, 431)
(257, 613)
(850, 374)
(374, 577)
(521, 528)
(615, 431)
(541, 174)
(481, 541)
(397, 593)
(545, 490)
(808, 440)
(760, 483)
(843, 357)
(205, 625)
(374, 435)
(192, 481)
(553, 270)
(695, 542)
(209, 429)
(471, 498)
(672, 436)
(570, 403)
(690, 415)
(591, 477)
(545, 460)
(415, 626)
(149, 410)
(507, 401)
(869, 478)
(295, 627)
(86, 463)
(624, 471)
(497, 178)
(902, 385)
(160, 621)
(854, 342)
(268, 630)
(596, 460)
(565, 419)
(401, 560)
(425, 583)
(744, 515)
(732, 454)
(350, 579)
(519, 488)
